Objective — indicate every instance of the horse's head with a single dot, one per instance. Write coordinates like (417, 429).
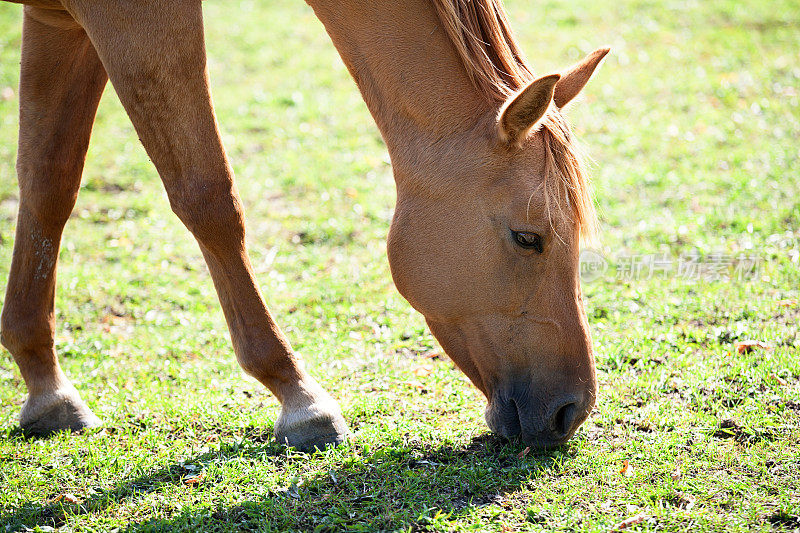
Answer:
(484, 243)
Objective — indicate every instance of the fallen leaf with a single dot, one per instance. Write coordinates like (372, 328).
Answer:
(524, 452)
(195, 479)
(780, 380)
(415, 385)
(676, 475)
(676, 384)
(787, 303)
(626, 469)
(116, 320)
(685, 501)
(632, 521)
(422, 370)
(432, 355)
(66, 497)
(750, 345)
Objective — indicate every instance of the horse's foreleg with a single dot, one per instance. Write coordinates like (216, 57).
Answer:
(60, 85)
(155, 56)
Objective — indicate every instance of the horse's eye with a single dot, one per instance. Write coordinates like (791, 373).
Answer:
(528, 240)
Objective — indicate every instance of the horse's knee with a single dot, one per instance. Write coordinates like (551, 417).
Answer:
(48, 188)
(9, 336)
(252, 366)
(18, 334)
(210, 209)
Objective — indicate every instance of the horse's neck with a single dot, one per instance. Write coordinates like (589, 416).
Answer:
(407, 69)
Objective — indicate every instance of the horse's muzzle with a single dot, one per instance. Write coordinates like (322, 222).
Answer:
(542, 423)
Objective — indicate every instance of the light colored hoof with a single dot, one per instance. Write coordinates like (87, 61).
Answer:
(317, 425)
(55, 411)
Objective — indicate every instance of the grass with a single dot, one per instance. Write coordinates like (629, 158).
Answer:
(693, 123)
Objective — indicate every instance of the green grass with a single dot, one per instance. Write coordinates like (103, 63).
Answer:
(693, 123)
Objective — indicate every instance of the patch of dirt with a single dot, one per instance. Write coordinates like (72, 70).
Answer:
(783, 519)
(730, 429)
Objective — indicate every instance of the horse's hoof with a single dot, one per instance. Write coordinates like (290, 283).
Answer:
(62, 409)
(315, 432)
(317, 426)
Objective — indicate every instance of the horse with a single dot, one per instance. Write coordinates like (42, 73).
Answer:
(492, 199)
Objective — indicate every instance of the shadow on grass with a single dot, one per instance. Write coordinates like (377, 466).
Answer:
(398, 486)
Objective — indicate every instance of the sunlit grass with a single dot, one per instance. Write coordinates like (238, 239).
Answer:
(693, 124)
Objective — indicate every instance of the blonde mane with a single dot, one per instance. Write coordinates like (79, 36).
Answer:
(481, 34)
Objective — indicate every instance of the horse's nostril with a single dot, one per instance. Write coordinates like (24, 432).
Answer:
(503, 416)
(512, 420)
(563, 419)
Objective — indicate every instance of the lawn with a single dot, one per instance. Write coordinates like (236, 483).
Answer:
(693, 124)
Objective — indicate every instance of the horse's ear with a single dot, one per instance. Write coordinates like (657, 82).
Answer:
(574, 79)
(522, 111)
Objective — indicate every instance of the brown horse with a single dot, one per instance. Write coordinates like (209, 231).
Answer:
(491, 200)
